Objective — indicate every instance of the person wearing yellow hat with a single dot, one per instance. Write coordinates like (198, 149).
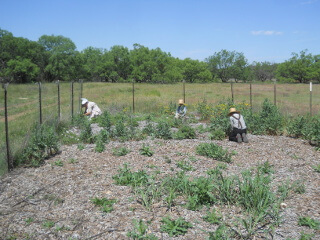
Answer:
(181, 110)
(91, 109)
(238, 125)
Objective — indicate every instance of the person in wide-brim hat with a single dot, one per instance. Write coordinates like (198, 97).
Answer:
(91, 109)
(238, 125)
(181, 110)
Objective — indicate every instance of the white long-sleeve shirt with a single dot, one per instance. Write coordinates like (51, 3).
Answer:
(237, 121)
(93, 109)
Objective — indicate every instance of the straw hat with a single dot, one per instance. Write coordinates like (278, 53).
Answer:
(232, 110)
(181, 101)
(84, 101)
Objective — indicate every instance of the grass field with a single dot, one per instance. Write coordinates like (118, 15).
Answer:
(23, 101)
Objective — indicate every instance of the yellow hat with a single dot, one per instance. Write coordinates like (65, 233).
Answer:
(181, 101)
(232, 110)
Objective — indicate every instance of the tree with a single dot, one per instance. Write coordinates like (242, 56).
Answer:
(226, 65)
(195, 71)
(263, 70)
(92, 65)
(61, 54)
(22, 70)
(297, 68)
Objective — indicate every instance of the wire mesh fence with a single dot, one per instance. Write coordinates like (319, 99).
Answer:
(34, 103)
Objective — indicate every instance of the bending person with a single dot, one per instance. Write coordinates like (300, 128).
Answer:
(181, 110)
(92, 110)
(238, 125)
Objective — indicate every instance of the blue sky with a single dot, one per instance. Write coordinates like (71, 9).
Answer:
(264, 30)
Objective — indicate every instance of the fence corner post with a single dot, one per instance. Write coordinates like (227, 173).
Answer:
(40, 103)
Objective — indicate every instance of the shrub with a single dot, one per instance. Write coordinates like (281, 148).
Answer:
(100, 146)
(125, 177)
(175, 227)
(146, 151)
(105, 120)
(295, 126)
(186, 132)
(163, 130)
(43, 143)
(217, 134)
(86, 132)
(271, 118)
(214, 151)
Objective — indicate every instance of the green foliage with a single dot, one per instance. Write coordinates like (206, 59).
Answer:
(220, 233)
(105, 120)
(42, 143)
(100, 146)
(317, 168)
(298, 187)
(217, 134)
(48, 224)
(122, 151)
(146, 150)
(266, 168)
(213, 217)
(309, 222)
(140, 232)
(175, 227)
(105, 204)
(58, 163)
(86, 131)
(186, 132)
(163, 130)
(295, 126)
(271, 118)
(125, 177)
(184, 165)
(306, 236)
(214, 151)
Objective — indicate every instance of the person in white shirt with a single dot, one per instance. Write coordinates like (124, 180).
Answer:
(92, 109)
(181, 110)
(238, 125)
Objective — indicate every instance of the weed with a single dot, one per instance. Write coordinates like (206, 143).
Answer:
(80, 146)
(298, 187)
(163, 130)
(62, 228)
(175, 227)
(122, 151)
(217, 134)
(220, 233)
(167, 159)
(100, 145)
(309, 222)
(48, 224)
(86, 132)
(73, 160)
(146, 150)
(317, 168)
(140, 232)
(306, 236)
(125, 177)
(214, 151)
(29, 220)
(193, 159)
(184, 165)
(266, 168)
(106, 204)
(58, 163)
(185, 132)
(213, 217)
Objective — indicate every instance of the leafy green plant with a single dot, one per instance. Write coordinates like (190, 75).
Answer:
(184, 165)
(217, 134)
(271, 118)
(309, 222)
(48, 224)
(185, 132)
(106, 204)
(214, 151)
(29, 220)
(146, 150)
(163, 130)
(266, 168)
(295, 126)
(80, 146)
(125, 177)
(86, 132)
(213, 217)
(73, 160)
(140, 232)
(220, 233)
(122, 151)
(100, 146)
(298, 187)
(58, 163)
(317, 168)
(175, 227)
(306, 236)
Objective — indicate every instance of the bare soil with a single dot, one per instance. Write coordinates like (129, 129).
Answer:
(30, 197)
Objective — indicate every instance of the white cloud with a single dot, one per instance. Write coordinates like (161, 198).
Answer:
(268, 32)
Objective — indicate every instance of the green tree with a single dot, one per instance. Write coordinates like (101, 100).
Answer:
(22, 70)
(226, 64)
(92, 65)
(195, 71)
(62, 56)
(264, 70)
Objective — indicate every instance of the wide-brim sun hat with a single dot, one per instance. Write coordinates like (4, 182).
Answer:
(233, 110)
(181, 101)
(84, 101)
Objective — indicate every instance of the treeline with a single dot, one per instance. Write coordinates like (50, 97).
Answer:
(56, 58)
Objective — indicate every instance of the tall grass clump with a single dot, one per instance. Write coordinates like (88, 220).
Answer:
(41, 144)
(214, 151)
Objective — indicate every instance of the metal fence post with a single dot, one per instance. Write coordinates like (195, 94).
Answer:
(59, 106)
(40, 103)
(184, 91)
(232, 92)
(72, 99)
(9, 160)
(275, 93)
(133, 95)
(80, 94)
(310, 98)
(251, 95)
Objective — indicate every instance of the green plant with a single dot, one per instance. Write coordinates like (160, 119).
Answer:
(213, 217)
(214, 151)
(106, 204)
(126, 177)
(317, 168)
(62, 228)
(220, 233)
(29, 220)
(175, 227)
(100, 145)
(73, 160)
(80, 146)
(48, 224)
(163, 130)
(309, 222)
(185, 132)
(266, 168)
(184, 165)
(122, 151)
(217, 134)
(140, 232)
(298, 187)
(86, 132)
(295, 126)
(58, 163)
(271, 118)
(306, 236)
(146, 150)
